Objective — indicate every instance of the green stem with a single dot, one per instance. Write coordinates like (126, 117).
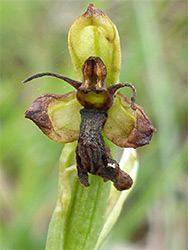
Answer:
(85, 217)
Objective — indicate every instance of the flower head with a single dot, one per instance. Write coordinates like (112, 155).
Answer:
(95, 98)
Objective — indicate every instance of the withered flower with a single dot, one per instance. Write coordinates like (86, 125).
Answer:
(101, 108)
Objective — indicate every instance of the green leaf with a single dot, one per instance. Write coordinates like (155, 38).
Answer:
(85, 217)
(55, 231)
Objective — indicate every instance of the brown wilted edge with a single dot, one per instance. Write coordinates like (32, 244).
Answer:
(38, 113)
(143, 131)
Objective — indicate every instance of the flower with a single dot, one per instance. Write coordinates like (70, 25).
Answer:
(95, 51)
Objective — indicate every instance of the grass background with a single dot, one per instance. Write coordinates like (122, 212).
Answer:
(154, 54)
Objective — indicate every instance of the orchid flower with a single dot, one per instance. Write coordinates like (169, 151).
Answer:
(101, 109)
(89, 114)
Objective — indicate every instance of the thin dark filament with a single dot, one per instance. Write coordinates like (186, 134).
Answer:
(114, 88)
(73, 83)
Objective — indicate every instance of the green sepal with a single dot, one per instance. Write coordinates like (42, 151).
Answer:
(94, 34)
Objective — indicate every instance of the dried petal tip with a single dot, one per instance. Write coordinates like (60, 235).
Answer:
(91, 11)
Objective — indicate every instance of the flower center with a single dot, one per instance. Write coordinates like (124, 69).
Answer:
(93, 94)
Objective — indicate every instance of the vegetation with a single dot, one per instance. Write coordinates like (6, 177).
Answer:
(153, 42)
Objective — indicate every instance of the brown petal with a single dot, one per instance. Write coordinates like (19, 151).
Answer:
(143, 131)
(57, 116)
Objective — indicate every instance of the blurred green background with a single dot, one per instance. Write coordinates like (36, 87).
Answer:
(154, 54)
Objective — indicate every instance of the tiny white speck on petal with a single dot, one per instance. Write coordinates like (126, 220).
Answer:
(111, 165)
